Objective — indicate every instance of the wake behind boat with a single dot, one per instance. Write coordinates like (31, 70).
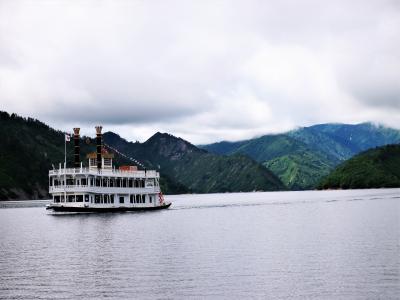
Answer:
(102, 188)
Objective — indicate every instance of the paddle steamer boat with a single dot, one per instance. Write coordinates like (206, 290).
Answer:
(101, 187)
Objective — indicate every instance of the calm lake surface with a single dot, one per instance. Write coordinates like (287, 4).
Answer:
(322, 245)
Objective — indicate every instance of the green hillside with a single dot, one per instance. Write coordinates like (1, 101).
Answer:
(334, 150)
(291, 160)
(302, 157)
(299, 171)
(375, 168)
(27, 150)
(359, 137)
(270, 147)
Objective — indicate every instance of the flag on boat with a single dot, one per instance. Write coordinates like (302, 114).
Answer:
(67, 137)
(161, 198)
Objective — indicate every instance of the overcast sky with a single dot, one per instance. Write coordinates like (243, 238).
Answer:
(202, 70)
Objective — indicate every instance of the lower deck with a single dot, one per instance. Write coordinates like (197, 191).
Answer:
(104, 201)
(87, 208)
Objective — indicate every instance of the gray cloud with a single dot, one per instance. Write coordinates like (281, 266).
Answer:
(206, 71)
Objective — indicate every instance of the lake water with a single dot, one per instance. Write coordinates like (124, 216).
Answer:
(322, 245)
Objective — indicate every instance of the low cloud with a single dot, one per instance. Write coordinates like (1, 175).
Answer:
(206, 70)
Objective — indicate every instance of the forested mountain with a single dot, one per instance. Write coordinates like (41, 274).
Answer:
(300, 158)
(290, 159)
(342, 141)
(198, 170)
(29, 148)
(374, 168)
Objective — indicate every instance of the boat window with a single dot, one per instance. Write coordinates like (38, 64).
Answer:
(86, 198)
(121, 199)
(111, 182)
(112, 198)
(151, 199)
(131, 198)
(79, 198)
(97, 182)
(107, 162)
(56, 198)
(92, 162)
(143, 198)
(118, 182)
(97, 199)
(84, 181)
(71, 198)
(106, 198)
(130, 183)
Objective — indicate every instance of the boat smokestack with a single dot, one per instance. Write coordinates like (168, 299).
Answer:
(77, 162)
(99, 138)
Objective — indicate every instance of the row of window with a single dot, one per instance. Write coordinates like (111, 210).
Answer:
(105, 182)
(107, 162)
(140, 198)
(71, 198)
(104, 198)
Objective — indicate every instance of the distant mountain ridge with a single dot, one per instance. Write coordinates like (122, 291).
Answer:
(298, 159)
(348, 140)
(301, 157)
(198, 170)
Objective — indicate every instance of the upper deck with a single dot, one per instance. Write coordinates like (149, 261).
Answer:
(104, 172)
(103, 181)
(100, 176)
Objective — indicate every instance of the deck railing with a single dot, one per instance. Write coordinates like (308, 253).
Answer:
(105, 172)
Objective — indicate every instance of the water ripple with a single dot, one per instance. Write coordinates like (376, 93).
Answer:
(313, 245)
